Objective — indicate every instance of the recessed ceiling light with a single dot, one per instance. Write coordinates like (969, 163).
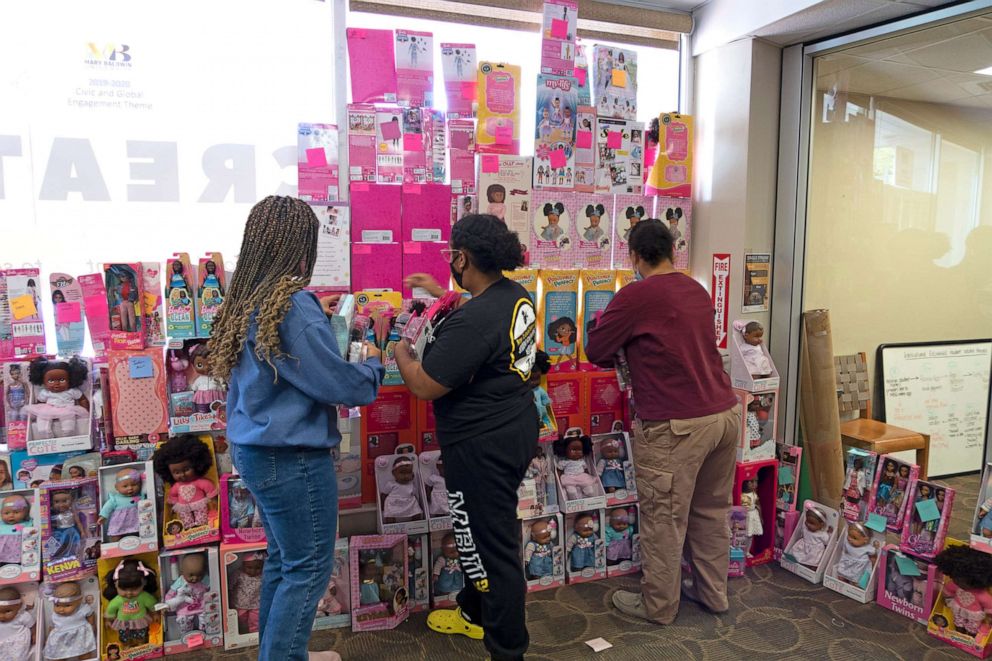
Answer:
(987, 71)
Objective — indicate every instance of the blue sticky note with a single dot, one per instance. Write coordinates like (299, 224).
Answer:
(863, 581)
(906, 566)
(876, 522)
(790, 558)
(785, 475)
(927, 509)
(140, 367)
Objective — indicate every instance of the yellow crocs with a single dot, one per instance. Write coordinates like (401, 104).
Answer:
(450, 621)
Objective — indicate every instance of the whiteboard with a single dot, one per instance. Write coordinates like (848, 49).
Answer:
(941, 389)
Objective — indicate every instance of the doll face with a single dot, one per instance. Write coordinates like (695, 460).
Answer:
(904, 471)
(183, 471)
(813, 522)
(448, 547)
(619, 521)
(611, 451)
(193, 568)
(200, 364)
(62, 501)
(252, 567)
(498, 196)
(63, 591)
(15, 373)
(563, 334)
(544, 113)
(574, 450)
(584, 526)
(403, 472)
(129, 487)
(553, 218)
(14, 509)
(56, 380)
(594, 220)
(754, 337)
(855, 537)
(8, 613)
(211, 267)
(540, 532)
(556, 103)
(568, 113)
(940, 495)
(76, 472)
(129, 593)
(750, 486)
(370, 571)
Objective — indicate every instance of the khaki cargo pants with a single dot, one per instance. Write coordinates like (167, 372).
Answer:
(685, 479)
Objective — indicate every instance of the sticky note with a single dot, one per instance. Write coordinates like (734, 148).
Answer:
(411, 247)
(468, 90)
(194, 640)
(140, 367)
(391, 130)
(876, 522)
(559, 29)
(863, 581)
(598, 644)
(68, 313)
(927, 509)
(23, 307)
(316, 157)
(583, 139)
(411, 189)
(490, 163)
(413, 142)
(361, 249)
(359, 186)
(557, 158)
(619, 78)
(614, 139)
(906, 566)
(580, 75)
(785, 475)
(504, 135)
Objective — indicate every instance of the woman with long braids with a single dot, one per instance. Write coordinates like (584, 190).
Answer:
(274, 348)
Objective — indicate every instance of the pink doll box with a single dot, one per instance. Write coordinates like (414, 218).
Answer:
(922, 537)
(621, 478)
(789, 465)
(418, 572)
(111, 647)
(538, 492)
(20, 539)
(211, 286)
(33, 471)
(435, 492)
(889, 494)
(376, 212)
(240, 522)
(70, 539)
(334, 608)
(759, 425)
(426, 212)
(16, 395)
(41, 438)
(240, 624)
(864, 590)
(766, 473)
(180, 317)
(812, 573)
(981, 529)
(407, 497)
(379, 582)
(785, 524)
(739, 375)
(543, 567)
(152, 310)
(617, 562)
(595, 502)
(125, 296)
(175, 532)
(138, 391)
(145, 538)
(31, 607)
(90, 589)
(186, 384)
(737, 520)
(191, 618)
(584, 564)
(941, 625)
(553, 241)
(446, 575)
(909, 591)
(859, 473)
(348, 468)
(96, 312)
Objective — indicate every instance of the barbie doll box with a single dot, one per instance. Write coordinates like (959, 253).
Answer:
(138, 644)
(907, 585)
(890, 494)
(758, 425)
(379, 584)
(615, 467)
(240, 520)
(400, 495)
(70, 534)
(241, 589)
(853, 567)
(543, 552)
(190, 580)
(334, 608)
(26, 625)
(127, 509)
(125, 296)
(585, 549)
(981, 529)
(64, 637)
(192, 520)
(20, 536)
(812, 542)
(49, 430)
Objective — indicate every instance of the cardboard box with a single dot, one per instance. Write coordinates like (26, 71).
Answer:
(904, 589)
(921, 537)
(125, 294)
(240, 621)
(795, 563)
(435, 491)
(48, 437)
(175, 534)
(90, 590)
(585, 556)
(138, 393)
(740, 377)
(569, 399)
(334, 608)
(30, 596)
(596, 500)
(606, 402)
(70, 535)
(141, 536)
(538, 492)
(446, 578)
(109, 639)
(617, 561)
(981, 528)
(864, 589)
(400, 505)
(789, 465)
(388, 426)
(766, 473)
(890, 492)
(240, 520)
(379, 586)
(544, 563)
(860, 469)
(418, 572)
(27, 527)
(759, 425)
(615, 474)
(192, 617)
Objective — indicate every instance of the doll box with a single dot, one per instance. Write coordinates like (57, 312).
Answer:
(893, 481)
(940, 625)
(240, 625)
(583, 565)
(766, 473)
(790, 563)
(334, 608)
(426, 427)
(864, 591)
(240, 521)
(785, 524)
(418, 572)
(39, 439)
(145, 538)
(211, 280)
(438, 516)
(125, 297)
(737, 521)
(981, 528)
(606, 402)
(202, 627)
(407, 498)
(180, 318)
(623, 483)
(388, 426)
(925, 539)
(618, 564)
(446, 579)
(587, 503)
(24, 536)
(90, 588)
(759, 425)
(789, 465)
(538, 493)
(859, 473)
(740, 377)
(28, 470)
(185, 416)
(15, 383)
(568, 398)
(175, 533)
(547, 572)
(911, 594)
(73, 554)
(111, 647)
(30, 596)
(379, 574)
(348, 468)
(138, 392)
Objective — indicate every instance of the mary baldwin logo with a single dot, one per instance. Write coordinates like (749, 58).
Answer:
(108, 55)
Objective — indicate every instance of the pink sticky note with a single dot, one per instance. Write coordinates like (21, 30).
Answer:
(490, 163)
(583, 139)
(194, 640)
(411, 248)
(359, 186)
(580, 75)
(316, 157)
(460, 140)
(411, 189)
(558, 159)
(468, 90)
(67, 313)
(391, 130)
(614, 139)
(504, 135)
(411, 141)
(361, 249)
(559, 29)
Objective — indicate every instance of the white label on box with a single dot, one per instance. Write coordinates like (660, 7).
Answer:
(377, 236)
(426, 235)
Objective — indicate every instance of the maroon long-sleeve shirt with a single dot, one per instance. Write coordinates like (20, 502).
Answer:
(665, 324)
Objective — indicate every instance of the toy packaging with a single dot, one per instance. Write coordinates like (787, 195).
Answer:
(612, 147)
(558, 30)
(860, 467)
(191, 592)
(426, 426)
(317, 162)
(6, 474)
(334, 608)
(907, 585)
(31, 472)
(789, 465)
(124, 299)
(414, 68)
(379, 585)
(424, 257)
(435, 492)
(755, 484)
(461, 134)
(623, 540)
(628, 211)
(190, 513)
(132, 626)
(388, 426)
(739, 542)
(751, 366)
(241, 587)
(211, 286)
(544, 552)
(127, 509)
(371, 60)
(153, 316)
(418, 572)
(579, 488)
(615, 82)
(785, 524)
(537, 494)
(458, 66)
(447, 578)
(22, 638)
(598, 288)
(758, 425)
(585, 147)
(361, 143)
(612, 456)
(594, 230)
(961, 611)
(27, 327)
(389, 145)
(70, 613)
(676, 213)
(240, 520)
(890, 494)
(16, 398)
(425, 212)
(20, 536)
(526, 278)
(70, 535)
(59, 413)
(927, 517)
(553, 238)
(981, 529)
(582, 76)
(557, 315)
(585, 548)
(138, 391)
(375, 213)
(67, 301)
(400, 500)
(505, 190)
(376, 264)
(416, 169)
(554, 133)
(853, 566)
(95, 305)
(606, 403)
(671, 174)
(180, 319)
(498, 128)
(332, 270)
(567, 391)
(812, 542)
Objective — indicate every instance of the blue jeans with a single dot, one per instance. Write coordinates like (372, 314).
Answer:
(297, 493)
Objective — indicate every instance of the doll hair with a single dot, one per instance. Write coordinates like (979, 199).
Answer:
(817, 512)
(551, 524)
(493, 189)
(560, 446)
(202, 350)
(858, 463)
(56, 492)
(669, 214)
(555, 209)
(651, 241)
(277, 257)
(861, 528)
(653, 130)
(60, 295)
(182, 448)
(542, 362)
(402, 459)
(492, 247)
(746, 327)
(178, 263)
(557, 324)
(75, 367)
(969, 568)
(10, 596)
(634, 212)
(597, 210)
(14, 367)
(130, 574)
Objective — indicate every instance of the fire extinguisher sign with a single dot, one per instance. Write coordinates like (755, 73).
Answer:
(721, 296)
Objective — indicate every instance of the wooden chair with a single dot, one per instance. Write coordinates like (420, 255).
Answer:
(854, 395)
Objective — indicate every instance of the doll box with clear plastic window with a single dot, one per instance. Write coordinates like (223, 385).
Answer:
(585, 547)
(60, 418)
(241, 592)
(211, 287)
(907, 585)
(388, 425)
(812, 542)
(70, 534)
(859, 471)
(127, 509)
(79, 603)
(751, 366)
(446, 575)
(759, 423)
(623, 544)
(891, 490)
(135, 645)
(960, 615)
(981, 527)
(197, 401)
(543, 552)
(16, 397)
(379, 584)
(737, 521)
(180, 317)
(927, 517)
(27, 622)
(400, 495)
(785, 524)
(191, 512)
(615, 467)
(334, 607)
(125, 297)
(538, 491)
(240, 518)
(853, 570)
(348, 469)
(138, 392)
(20, 536)
(754, 488)
(579, 488)
(191, 591)
(29, 471)
(569, 399)
(789, 465)
(435, 492)
(606, 402)
(418, 572)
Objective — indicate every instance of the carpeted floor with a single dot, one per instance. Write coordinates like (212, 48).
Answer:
(773, 615)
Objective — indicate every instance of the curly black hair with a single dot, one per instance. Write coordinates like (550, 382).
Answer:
(542, 362)
(77, 369)
(595, 210)
(968, 568)
(182, 448)
(652, 241)
(492, 247)
(558, 323)
(560, 446)
(131, 573)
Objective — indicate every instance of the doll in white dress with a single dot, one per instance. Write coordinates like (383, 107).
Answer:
(858, 553)
(756, 360)
(438, 499)
(814, 537)
(400, 502)
(750, 502)
(17, 633)
(73, 628)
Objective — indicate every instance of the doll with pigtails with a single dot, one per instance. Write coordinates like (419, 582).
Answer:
(130, 592)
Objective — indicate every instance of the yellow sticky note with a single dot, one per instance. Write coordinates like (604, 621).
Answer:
(23, 307)
(619, 78)
(151, 302)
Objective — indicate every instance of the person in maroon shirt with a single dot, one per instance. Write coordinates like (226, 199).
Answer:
(685, 430)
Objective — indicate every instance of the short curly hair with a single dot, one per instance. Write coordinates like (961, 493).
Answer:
(492, 246)
(968, 568)
(182, 448)
(77, 369)
(561, 445)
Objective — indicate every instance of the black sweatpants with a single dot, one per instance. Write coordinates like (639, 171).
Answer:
(482, 476)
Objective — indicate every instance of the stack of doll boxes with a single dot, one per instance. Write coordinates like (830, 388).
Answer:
(786, 516)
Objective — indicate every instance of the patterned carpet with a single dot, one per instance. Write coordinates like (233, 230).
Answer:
(773, 615)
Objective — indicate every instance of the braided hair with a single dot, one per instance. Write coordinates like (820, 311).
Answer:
(276, 260)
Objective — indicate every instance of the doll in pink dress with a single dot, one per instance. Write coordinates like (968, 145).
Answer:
(206, 389)
(57, 392)
(400, 502)
(967, 581)
(184, 462)
(246, 591)
(573, 470)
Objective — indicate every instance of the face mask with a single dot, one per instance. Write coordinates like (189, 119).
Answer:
(455, 274)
